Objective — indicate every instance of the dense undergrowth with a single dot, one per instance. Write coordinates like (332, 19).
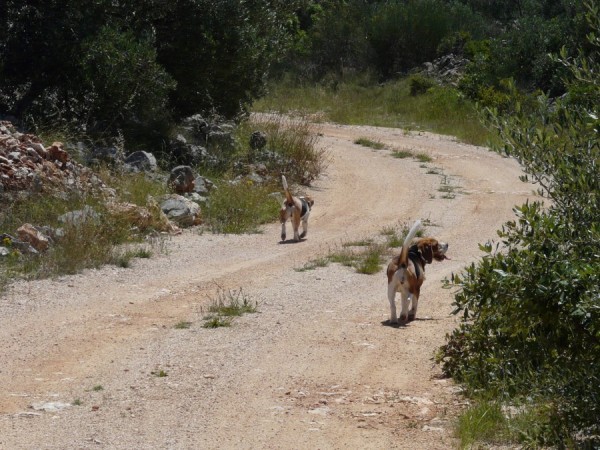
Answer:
(529, 338)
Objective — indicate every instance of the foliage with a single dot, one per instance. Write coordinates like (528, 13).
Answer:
(441, 109)
(135, 66)
(123, 86)
(419, 84)
(294, 142)
(520, 50)
(531, 306)
(239, 207)
(226, 305)
(405, 34)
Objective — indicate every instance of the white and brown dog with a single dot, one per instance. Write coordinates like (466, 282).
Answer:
(297, 209)
(406, 272)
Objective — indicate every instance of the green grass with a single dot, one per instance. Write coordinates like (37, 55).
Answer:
(482, 423)
(367, 255)
(401, 154)
(226, 305)
(241, 207)
(440, 110)
(183, 325)
(98, 388)
(314, 264)
(423, 157)
(294, 140)
(89, 243)
(216, 322)
(488, 424)
(366, 142)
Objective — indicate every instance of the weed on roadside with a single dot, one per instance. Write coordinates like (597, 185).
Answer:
(226, 305)
(367, 255)
(401, 154)
(366, 142)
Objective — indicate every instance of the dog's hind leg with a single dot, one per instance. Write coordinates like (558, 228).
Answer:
(415, 303)
(296, 226)
(405, 302)
(283, 234)
(392, 299)
(304, 227)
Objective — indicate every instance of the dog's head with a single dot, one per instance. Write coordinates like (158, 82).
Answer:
(431, 249)
(309, 200)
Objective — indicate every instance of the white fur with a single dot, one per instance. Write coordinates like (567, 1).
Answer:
(398, 282)
(292, 212)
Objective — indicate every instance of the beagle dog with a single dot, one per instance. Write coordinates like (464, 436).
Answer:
(406, 272)
(297, 209)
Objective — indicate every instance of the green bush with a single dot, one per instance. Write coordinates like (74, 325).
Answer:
(531, 306)
(240, 207)
(419, 84)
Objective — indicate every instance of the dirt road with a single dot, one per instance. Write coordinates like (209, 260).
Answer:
(316, 367)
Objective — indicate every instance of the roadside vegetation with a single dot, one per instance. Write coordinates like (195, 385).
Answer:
(365, 102)
(366, 256)
(530, 332)
(227, 305)
(102, 235)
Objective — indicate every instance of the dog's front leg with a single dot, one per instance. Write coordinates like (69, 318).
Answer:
(392, 299)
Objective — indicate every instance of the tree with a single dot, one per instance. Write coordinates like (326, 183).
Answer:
(109, 65)
(220, 52)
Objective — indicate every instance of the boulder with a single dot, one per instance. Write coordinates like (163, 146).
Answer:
(28, 233)
(182, 211)
(140, 161)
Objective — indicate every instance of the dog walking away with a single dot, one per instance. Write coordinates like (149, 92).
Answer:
(297, 210)
(406, 272)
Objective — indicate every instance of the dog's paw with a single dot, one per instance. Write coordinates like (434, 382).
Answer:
(402, 318)
(283, 237)
(411, 317)
(303, 234)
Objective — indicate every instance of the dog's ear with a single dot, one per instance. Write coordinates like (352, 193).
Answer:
(310, 200)
(426, 252)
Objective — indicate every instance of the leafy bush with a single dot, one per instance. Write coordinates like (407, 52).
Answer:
(419, 84)
(531, 306)
(405, 34)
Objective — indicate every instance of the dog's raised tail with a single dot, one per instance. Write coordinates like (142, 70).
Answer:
(403, 262)
(288, 195)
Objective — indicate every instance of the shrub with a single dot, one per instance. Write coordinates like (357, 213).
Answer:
(531, 306)
(419, 84)
(240, 207)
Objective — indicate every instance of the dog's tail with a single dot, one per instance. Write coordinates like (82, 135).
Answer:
(403, 261)
(288, 195)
